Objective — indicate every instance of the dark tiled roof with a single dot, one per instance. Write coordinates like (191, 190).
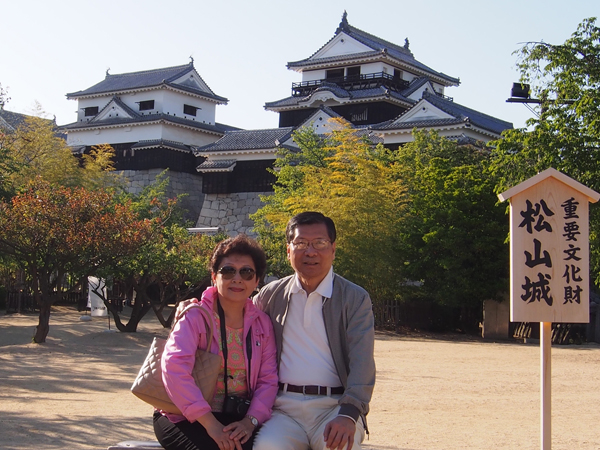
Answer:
(161, 143)
(12, 119)
(388, 125)
(461, 114)
(223, 165)
(325, 109)
(414, 85)
(249, 140)
(356, 94)
(477, 118)
(334, 88)
(378, 45)
(145, 79)
(365, 131)
(216, 128)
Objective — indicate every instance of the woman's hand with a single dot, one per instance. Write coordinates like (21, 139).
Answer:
(240, 431)
(215, 430)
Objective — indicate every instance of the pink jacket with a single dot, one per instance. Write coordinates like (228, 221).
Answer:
(190, 332)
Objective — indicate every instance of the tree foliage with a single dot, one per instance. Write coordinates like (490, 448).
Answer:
(424, 215)
(35, 149)
(53, 231)
(168, 266)
(453, 238)
(351, 180)
(566, 134)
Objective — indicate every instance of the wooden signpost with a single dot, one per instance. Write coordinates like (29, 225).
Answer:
(549, 262)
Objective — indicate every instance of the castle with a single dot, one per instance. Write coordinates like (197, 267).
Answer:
(166, 118)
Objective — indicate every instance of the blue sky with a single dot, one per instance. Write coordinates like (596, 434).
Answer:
(241, 48)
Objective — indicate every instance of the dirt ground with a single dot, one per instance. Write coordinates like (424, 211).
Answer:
(433, 391)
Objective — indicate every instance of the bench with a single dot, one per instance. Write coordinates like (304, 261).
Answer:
(136, 445)
(151, 445)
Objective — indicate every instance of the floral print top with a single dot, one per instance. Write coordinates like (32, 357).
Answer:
(236, 366)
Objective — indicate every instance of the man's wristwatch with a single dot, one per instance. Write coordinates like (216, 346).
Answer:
(253, 419)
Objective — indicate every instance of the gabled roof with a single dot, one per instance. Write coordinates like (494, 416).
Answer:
(115, 101)
(475, 117)
(460, 115)
(248, 140)
(379, 47)
(326, 109)
(351, 95)
(454, 116)
(148, 79)
(415, 84)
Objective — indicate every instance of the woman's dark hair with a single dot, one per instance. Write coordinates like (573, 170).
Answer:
(240, 245)
(309, 218)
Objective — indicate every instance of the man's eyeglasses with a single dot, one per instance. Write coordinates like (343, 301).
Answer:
(228, 272)
(317, 244)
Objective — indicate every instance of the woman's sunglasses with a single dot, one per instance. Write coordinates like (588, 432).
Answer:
(228, 272)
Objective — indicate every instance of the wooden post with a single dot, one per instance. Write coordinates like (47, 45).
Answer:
(545, 378)
(549, 262)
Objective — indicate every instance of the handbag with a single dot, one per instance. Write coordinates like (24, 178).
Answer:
(149, 386)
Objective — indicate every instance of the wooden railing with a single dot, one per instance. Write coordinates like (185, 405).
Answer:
(352, 82)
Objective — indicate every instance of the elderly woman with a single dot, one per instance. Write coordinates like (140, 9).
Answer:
(243, 336)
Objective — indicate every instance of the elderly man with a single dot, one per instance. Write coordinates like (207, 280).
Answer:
(324, 332)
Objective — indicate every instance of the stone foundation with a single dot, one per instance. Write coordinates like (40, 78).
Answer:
(179, 183)
(230, 212)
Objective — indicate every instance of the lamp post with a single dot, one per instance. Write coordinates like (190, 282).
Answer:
(521, 93)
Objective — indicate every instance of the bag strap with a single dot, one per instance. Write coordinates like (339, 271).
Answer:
(209, 322)
(225, 350)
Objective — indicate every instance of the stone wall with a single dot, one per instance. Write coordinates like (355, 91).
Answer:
(230, 212)
(179, 183)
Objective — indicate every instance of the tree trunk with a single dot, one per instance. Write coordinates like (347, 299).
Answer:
(43, 327)
(139, 310)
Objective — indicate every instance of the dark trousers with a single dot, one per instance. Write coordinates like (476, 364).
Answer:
(189, 436)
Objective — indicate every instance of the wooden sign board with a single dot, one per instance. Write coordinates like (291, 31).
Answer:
(549, 249)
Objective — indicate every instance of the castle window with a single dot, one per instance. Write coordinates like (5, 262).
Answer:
(334, 73)
(190, 110)
(146, 105)
(397, 74)
(90, 111)
(353, 71)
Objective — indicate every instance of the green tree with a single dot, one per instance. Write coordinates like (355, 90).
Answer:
(52, 232)
(35, 149)
(7, 164)
(353, 181)
(566, 134)
(168, 266)
(454, 232)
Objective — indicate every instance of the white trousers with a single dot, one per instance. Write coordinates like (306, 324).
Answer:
(299, 421)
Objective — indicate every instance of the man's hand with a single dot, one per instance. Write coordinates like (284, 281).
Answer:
(214, 428)
(339, 432)
(240, 432)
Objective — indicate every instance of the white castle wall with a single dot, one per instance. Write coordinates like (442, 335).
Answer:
(230, 212)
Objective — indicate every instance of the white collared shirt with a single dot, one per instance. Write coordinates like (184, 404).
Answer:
(306, 357)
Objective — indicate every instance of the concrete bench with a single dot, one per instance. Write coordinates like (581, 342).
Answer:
(153, 445)
(136, 445)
